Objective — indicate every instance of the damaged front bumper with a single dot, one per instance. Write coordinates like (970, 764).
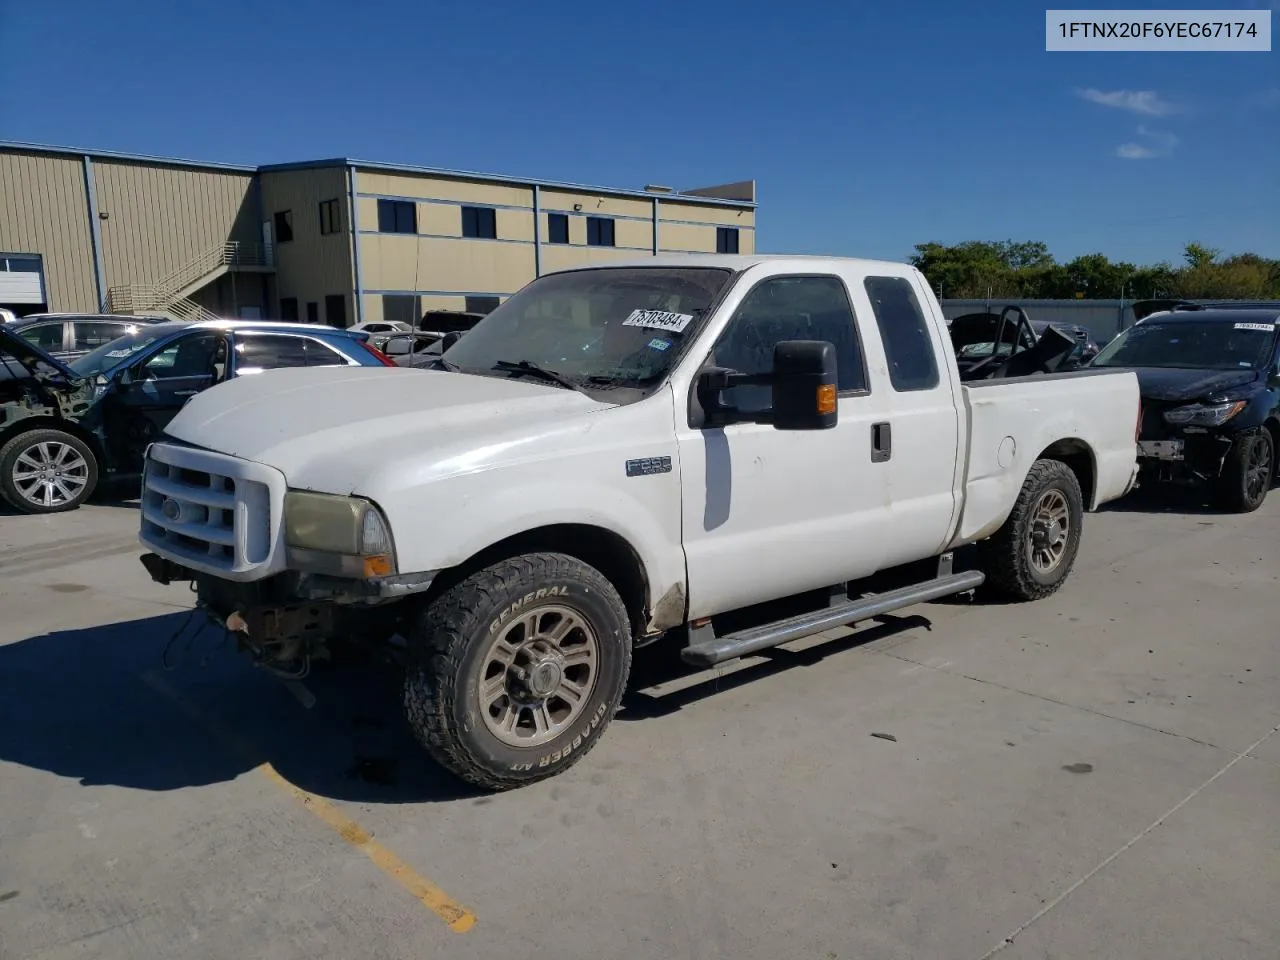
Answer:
(296, 586)
(1188, 458)
(290, 619)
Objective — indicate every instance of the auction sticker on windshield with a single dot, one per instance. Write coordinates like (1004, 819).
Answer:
(659, 320)
(1264, 327)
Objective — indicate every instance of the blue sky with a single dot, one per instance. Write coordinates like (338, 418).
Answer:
(868, 127)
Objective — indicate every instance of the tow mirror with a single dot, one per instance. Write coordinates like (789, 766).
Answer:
(803, 384)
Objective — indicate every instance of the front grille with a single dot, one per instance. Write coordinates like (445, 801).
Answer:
(210, 512)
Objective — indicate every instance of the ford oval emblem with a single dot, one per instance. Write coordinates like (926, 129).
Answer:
(171, 508)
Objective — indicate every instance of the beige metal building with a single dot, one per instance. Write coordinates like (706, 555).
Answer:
(332, 241)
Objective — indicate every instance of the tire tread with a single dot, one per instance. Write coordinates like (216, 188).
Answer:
(1002, 555)
(443, 632)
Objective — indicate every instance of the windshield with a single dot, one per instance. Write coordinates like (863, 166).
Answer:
(1191, 345)
(601, 328)
(113, 353)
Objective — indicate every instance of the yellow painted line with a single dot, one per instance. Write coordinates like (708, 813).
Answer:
(458, 917)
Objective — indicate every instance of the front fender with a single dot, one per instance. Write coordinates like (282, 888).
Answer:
(484, 510)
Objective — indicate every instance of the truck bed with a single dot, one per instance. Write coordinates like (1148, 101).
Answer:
(1012, 421)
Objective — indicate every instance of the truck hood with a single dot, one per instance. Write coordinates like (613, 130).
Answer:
(347, 429)
(1170, 384)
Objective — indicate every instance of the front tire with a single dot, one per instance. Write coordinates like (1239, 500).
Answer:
(47, 471)
(1032, 554)
(1248, 472)
(515, 672)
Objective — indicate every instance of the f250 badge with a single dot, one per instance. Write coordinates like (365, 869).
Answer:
(648, 466)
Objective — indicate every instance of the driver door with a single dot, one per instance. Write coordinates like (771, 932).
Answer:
(752, 494)
(151, 391)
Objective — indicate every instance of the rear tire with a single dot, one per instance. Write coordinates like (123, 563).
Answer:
(47, 471)
(515, 672)
(1247, 472)
(1032, 554)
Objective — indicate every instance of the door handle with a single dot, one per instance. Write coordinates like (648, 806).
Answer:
(881, 442)
(185, 393)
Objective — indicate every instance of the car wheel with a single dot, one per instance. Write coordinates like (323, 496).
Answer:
(47, 471)
(515, 672)
(1032, 554)
(1248, 471)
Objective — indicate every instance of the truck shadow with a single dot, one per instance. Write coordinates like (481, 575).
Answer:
(98, 705)
(1190, 501)
(166, 703)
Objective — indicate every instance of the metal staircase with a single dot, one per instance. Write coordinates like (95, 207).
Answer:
(171, 295)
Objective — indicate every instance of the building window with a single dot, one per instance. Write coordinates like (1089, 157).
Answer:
(599, 232)
(904, 332)
(330, 218)
(335, 310)
(21, 264)
(726, 239)
(397, 216)
(284, 226)
(557, 228)
(482, 304)
(480, 223)
(401, 308)
(313, 312)
(289, 309)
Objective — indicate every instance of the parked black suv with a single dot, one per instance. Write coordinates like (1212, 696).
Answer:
(1210, 382)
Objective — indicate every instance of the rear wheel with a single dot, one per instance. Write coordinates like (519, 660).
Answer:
(1031, 556)
(1247, 472)
(515, 672)
(47, 471)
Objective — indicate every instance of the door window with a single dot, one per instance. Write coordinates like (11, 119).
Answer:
(203, 355)
(46, 336)
(255, 353)
(789, 308)
(904, 333)
(90, 334)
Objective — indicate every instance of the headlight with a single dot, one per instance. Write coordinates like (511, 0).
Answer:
(1204, 415)
(342, 536)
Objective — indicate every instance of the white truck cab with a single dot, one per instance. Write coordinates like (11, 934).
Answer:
(616, 453)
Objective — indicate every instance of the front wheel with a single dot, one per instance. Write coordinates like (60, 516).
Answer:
(1031, 555)
(1247, 472)
(47, 471)
(515, 672)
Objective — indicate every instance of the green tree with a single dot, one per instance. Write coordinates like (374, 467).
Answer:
(1008, 269)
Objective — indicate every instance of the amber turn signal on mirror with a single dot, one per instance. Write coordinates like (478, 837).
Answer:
(827, 398)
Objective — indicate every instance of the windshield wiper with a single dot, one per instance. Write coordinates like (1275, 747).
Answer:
(524, 366)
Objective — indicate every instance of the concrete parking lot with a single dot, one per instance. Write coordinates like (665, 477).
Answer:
(1095, 775)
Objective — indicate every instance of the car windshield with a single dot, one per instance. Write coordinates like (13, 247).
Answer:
(595, 328)
(113, 353)
(1191, 345)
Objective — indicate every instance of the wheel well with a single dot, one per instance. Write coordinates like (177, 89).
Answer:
(1077, 455)
(27, 424)
(603, 549)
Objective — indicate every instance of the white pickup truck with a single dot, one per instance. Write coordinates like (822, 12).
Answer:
(616, 453)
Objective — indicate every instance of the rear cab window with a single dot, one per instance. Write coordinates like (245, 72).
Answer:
(904, 331)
